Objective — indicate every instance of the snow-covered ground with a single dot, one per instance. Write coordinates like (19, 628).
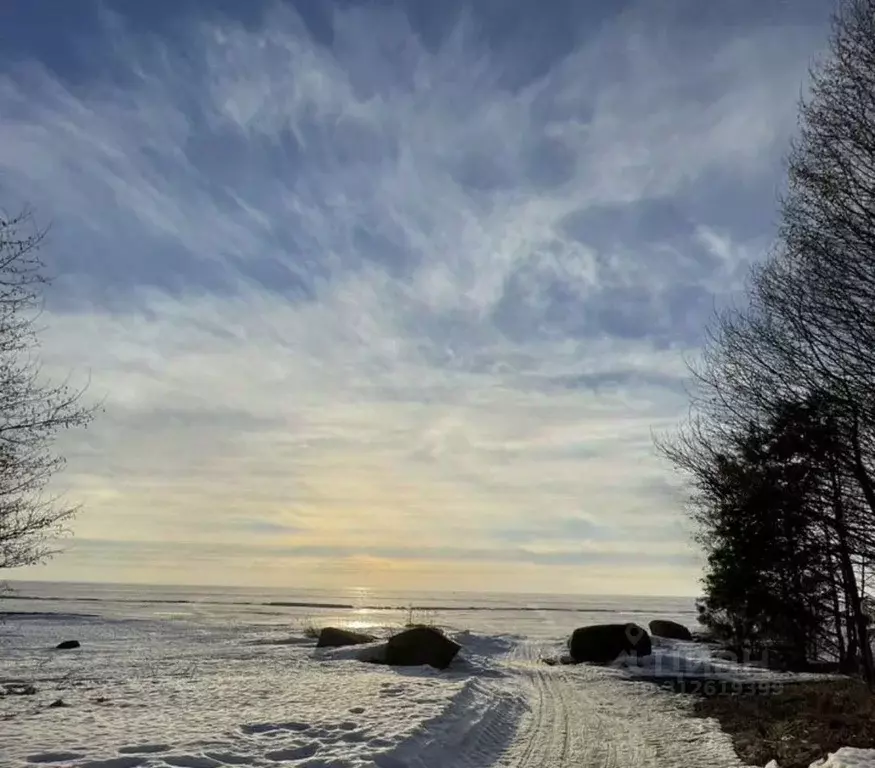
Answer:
(188, 686)
(848, 757)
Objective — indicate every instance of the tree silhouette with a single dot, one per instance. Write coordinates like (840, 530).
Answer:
(32, 410)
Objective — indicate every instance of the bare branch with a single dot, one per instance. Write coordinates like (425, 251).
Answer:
(33, 411)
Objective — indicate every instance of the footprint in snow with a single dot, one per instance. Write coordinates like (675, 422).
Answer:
(353, 737)
(294, 753)
(114, 762)
(270, 727)
(144, 749)
(389, 691)
(230, 758)
(191, 761)
(54, 757)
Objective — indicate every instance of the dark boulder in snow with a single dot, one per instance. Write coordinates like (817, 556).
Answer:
(603, 643)
(67, 645)
(670, 629)
(374, 654)
(331, 637)
(419, 646)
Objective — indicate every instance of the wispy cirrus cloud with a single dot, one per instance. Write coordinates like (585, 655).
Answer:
(383, 300)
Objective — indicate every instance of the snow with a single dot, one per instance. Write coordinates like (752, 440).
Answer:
(201, 687)
(848, 757)
(680, 659)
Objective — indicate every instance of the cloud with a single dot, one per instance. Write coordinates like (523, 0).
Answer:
(355, 296)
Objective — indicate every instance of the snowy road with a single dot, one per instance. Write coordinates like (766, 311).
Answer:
(590, 717)
(581, 719)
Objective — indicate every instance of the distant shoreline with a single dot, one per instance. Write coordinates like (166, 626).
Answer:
(335, 606)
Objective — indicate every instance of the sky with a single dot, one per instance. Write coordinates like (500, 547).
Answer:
(390, 295)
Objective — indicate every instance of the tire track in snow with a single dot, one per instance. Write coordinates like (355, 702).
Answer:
(546, 739)
(542, 729)
(577, 717)
(591, 717)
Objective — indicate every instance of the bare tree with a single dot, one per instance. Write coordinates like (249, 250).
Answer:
(32, 411)
(807, 330)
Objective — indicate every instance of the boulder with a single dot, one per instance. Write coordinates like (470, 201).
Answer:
(373, 654)
(67, 645)
(670, 629)
(421, 645)
(331, 637)
(603, 643)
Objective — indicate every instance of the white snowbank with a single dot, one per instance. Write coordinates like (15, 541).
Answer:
(681, 659)
(846, 757)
